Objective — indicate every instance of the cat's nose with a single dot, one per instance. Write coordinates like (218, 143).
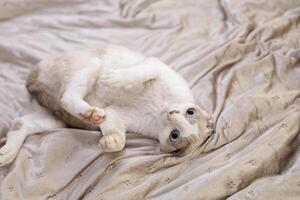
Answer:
(168, 115)
(173, 111)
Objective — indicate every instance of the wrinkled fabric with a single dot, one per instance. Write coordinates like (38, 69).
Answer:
(241, 59)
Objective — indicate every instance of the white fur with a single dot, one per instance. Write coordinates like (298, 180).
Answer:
(118, 90)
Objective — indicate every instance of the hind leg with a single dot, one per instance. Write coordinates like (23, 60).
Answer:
(76, 89)
(23, 127)
(135, 78)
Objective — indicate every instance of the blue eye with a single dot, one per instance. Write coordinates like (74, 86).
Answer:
(191, 111)
(174, 136)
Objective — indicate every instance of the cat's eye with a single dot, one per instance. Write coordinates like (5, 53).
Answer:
(191, 112)
(174, 136)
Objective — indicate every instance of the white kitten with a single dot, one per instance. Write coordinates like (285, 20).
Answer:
(114, 89)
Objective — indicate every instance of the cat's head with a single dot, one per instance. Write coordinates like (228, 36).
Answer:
(181, 121)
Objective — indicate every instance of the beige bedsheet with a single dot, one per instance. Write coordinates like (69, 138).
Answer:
(242, 60)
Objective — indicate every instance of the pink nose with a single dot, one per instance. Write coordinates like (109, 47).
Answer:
(169, 115)
(174, 111)
(171, 112)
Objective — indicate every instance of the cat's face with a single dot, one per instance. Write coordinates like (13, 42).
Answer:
(178, 123)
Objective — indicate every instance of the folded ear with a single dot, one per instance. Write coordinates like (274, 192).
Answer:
(202, 113)
(205, 120)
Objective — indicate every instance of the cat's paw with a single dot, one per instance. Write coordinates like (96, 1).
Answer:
(94, 116)
(8, 153)
(112, 142)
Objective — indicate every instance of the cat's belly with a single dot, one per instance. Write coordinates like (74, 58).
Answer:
(138, 111)
(105, 95)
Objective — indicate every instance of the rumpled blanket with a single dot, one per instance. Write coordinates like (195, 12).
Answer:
(241, 59)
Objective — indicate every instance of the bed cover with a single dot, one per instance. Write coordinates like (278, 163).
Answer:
(241, 59)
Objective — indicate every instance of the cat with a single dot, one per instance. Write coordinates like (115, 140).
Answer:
(112, 89)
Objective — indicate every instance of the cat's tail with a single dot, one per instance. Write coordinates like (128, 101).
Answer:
(40, 91)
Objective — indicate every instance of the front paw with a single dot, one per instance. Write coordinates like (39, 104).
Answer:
(94, 116)
(8, 153)
(112, 142)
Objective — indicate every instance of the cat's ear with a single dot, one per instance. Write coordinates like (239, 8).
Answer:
(201, 112)
(205, 120)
